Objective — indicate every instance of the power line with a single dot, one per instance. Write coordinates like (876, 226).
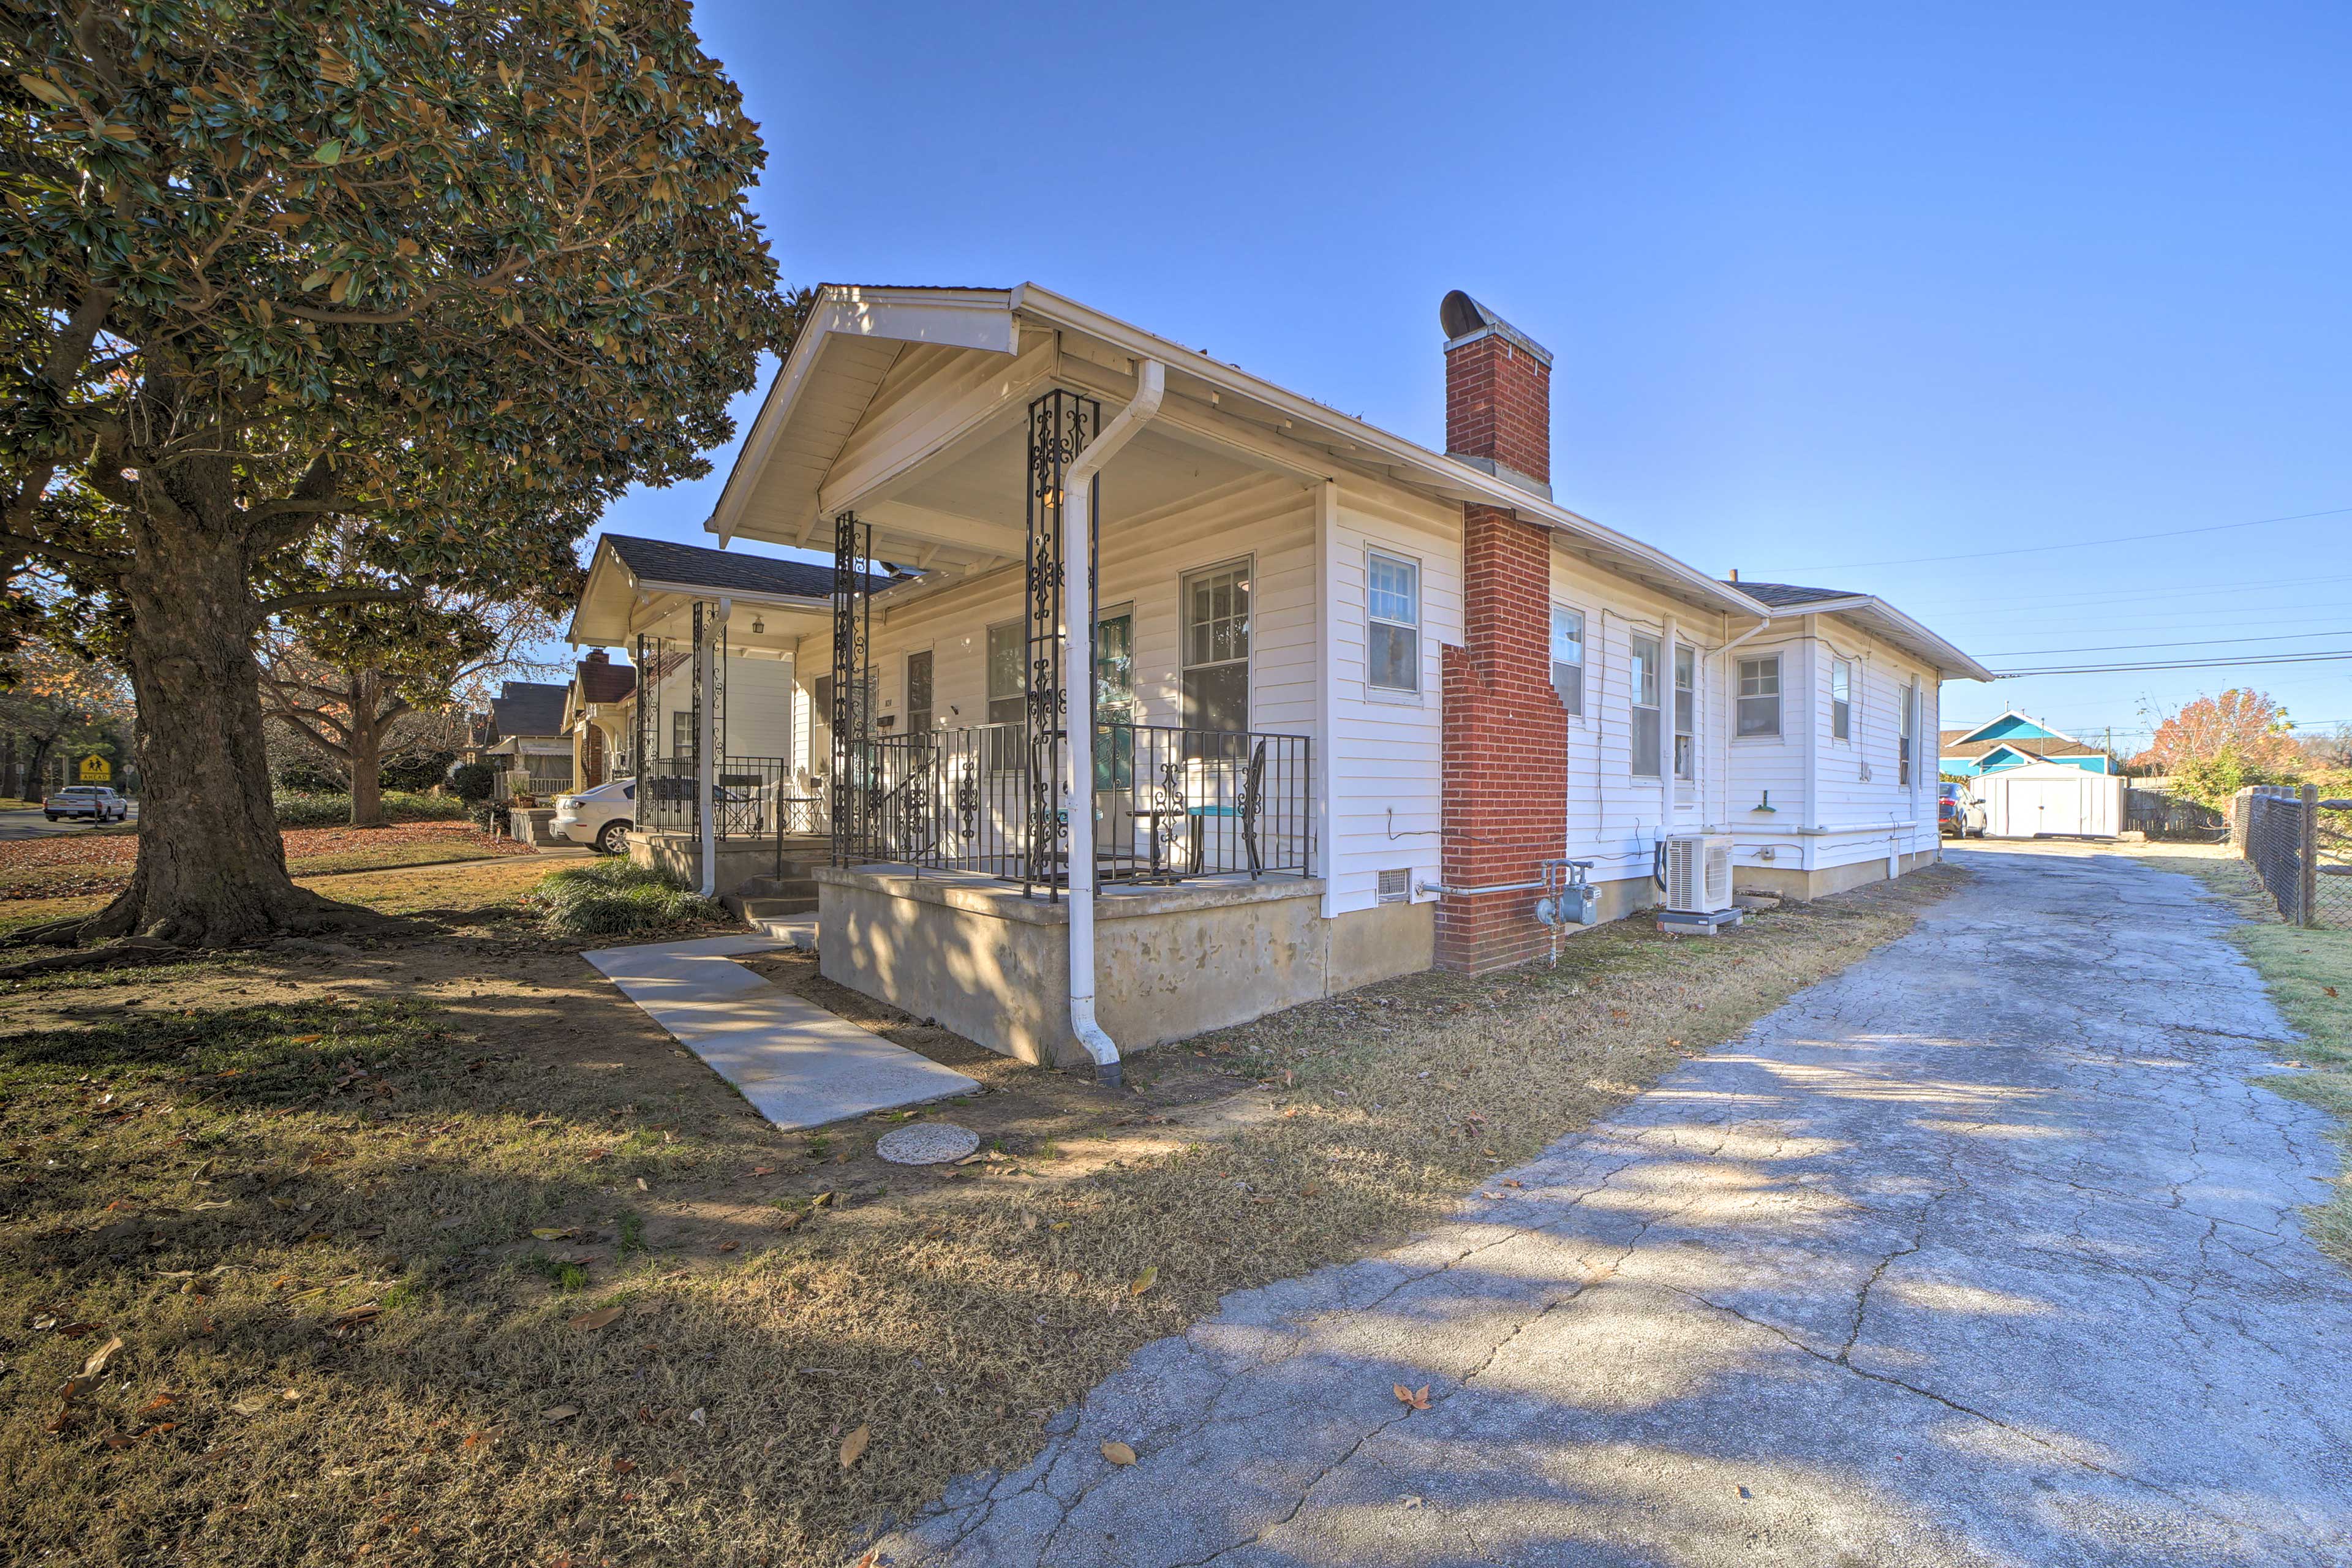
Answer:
(2078, 544)
(2183, 642)
(2179, 664)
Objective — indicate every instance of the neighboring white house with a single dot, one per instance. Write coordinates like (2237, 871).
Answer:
(1354, 700)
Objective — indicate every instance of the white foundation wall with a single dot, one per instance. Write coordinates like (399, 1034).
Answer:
(1837, 802)
(1614, 816)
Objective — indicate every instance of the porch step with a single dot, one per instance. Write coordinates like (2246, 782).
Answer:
(756, 909)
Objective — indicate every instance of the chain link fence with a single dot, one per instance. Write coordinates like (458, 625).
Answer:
(2301, 847)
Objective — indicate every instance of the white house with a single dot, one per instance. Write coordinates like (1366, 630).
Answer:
(1352, 706)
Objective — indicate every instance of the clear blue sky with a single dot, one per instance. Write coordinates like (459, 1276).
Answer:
(1828, 287)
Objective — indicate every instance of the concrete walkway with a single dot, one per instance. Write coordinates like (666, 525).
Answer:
(1985, 1252)
(798, 1065)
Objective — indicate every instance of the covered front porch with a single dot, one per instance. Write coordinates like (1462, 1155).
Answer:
(992, 790)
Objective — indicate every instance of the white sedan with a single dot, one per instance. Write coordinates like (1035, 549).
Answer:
(598, 817)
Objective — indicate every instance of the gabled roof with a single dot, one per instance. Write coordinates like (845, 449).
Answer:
(658, 561)
(528, 708)
(2041, 732)
(601, 680)
(1786, 596)
(1028, 339)
(1874, 614)
(627, 569)
(2038, 749)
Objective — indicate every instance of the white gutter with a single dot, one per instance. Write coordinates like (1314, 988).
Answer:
(1079, 694)
(706, 746)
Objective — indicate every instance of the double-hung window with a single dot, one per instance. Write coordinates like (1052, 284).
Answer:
(1217, 655)
(1759, 696)
(1393, 617)
(681, 732)
(1643, 686)
(1907, 722)
(1568, 657)
(1685, 711)
(1008, 693)
(1841, 699)
(918, 692)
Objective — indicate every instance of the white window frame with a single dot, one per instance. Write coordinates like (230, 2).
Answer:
(1905, 734)
(1642, 678)
(1687, 685)
(1742, 697)
(1247, 566)
(1381, 691)
(1840, 699)
(988, 699)
(907, 687)
(1580, 664)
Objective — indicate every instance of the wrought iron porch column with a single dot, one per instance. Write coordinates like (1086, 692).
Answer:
(853, 625)
(1060, 425)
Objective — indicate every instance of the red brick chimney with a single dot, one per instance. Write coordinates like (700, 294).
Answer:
(1505, 747)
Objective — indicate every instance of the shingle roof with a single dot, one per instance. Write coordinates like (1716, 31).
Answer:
(528, 708)
(659, 561)
(2033, 746)
(1781, 596)
(601, 680)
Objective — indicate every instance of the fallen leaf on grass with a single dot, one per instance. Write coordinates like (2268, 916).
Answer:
(854, 1446)
(1145, 1280)
(822, 1200)
(1412, 1398)
(351, 1317)
(1509, 1182)
(559, 1413)
(603, 1318)
(729, 1246)
(158, 1402)
(790, 1220)
(2329, 989)
(308, 1039)
(552, 1233)
(1310, 1189)
(623, 1467)
(102, 1357)
(1119, 1453)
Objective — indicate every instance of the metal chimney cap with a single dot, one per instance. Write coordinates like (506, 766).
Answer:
(1463, 320)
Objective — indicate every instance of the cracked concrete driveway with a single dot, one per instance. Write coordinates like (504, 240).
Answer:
(1984, 1252)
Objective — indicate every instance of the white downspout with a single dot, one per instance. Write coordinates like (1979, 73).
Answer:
(1078, 692)
(706, 746)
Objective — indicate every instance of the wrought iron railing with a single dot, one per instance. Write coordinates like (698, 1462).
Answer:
(1171, 804)
(751, 797)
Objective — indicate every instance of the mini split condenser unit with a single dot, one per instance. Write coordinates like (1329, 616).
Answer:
(1698, 875)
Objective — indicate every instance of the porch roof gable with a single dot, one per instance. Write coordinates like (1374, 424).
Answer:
(784, 483)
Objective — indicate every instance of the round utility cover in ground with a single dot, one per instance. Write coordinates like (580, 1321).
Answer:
(926, 1143)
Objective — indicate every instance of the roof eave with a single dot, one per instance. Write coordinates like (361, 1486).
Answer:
(1948, 660)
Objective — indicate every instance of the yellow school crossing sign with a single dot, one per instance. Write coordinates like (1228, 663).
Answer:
(96, 769)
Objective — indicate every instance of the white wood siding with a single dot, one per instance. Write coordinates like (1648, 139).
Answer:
(1857, 808)
(1615, 817)
(1387, 748)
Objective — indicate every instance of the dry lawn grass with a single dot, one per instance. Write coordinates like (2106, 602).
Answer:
(440, 1253)
(99, 860)
(2309, 972)
(489, 888)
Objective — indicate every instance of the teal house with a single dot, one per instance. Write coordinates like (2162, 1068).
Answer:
(2012, 741)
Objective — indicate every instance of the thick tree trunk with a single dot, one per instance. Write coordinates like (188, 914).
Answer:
(212, 868)
(365, 745)
(34, 786)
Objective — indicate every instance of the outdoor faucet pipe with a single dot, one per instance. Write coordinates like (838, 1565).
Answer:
(1078, 685)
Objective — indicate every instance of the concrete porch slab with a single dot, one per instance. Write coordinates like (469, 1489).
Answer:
(798, 1065)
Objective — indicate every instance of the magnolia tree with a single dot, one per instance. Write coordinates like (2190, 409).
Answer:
(2217, 746)
(432, 281)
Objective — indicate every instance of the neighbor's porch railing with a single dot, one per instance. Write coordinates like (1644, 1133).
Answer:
(1171, 804)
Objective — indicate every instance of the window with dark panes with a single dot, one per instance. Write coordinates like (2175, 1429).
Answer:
(1216, 693)
(919, 693)
(1641, 681)
(1685, 711)
(1759, 696)
(1841, 699)
(1568, 657)
(1393, 617)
